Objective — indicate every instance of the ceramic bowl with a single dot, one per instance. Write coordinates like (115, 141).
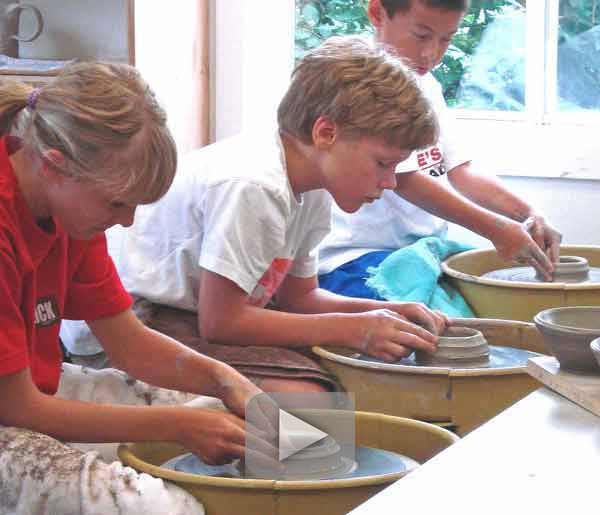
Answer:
(567, 332)
(595, 348)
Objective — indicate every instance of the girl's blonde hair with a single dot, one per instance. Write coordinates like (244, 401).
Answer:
(363, 88)
(105, 121)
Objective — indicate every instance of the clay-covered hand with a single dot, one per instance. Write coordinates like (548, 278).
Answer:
(513, 242)
(386, 335)
(417, 313)
(546, 236)
(236, 391)
(215, 436)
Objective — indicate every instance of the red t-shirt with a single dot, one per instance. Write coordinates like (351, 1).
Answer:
(45, 277)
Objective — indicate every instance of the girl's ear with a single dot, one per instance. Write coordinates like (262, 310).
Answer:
(52, 162)
(324, 133)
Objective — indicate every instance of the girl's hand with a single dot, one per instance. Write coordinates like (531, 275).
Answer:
(216, 437)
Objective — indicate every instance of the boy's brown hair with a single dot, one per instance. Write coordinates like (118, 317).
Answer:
(393, 6)
(363, 88)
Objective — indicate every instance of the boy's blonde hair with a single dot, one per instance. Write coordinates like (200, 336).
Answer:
(105, 121)
(364, 89)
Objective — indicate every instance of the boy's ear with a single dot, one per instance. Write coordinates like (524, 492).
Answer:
(324, 133)
(376, 12)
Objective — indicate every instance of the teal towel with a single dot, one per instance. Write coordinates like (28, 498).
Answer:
(412, 274)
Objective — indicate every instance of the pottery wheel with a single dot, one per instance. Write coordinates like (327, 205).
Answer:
(499, 357)
(527, 274)
(369, 462)
(192, 464)
(569, 269)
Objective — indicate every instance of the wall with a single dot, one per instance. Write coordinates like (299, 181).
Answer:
(571, 205)
(258, 68)
(164, 42)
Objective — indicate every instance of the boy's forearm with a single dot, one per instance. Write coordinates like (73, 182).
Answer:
(323, 301)
(271, 328)
(489, 193)
(446, 203)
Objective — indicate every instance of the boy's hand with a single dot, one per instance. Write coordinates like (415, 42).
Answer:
(546, 236)
(434, 321)
(386, 335)
(514, 243)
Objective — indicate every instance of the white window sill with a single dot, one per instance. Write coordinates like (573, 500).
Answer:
(565, 150)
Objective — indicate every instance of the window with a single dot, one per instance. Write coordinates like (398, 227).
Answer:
(522, 76)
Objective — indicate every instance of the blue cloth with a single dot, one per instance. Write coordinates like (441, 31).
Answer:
(349, 278)
(412, 274)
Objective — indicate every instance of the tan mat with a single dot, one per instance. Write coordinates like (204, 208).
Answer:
(581, 388)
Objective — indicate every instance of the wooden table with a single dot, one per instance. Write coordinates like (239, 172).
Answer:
(541, 455)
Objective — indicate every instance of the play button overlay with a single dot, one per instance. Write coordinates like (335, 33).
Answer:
(299, 436)
(295, 435)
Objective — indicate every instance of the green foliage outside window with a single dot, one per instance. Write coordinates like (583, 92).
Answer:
(577, 16)
(317, 20)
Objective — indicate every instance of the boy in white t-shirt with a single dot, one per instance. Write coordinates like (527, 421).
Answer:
(420, 31)
(240, 225)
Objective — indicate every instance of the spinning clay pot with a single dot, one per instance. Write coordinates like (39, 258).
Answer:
(457, 347)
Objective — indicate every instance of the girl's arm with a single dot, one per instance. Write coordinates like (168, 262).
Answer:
(162, 361)
(216, 436)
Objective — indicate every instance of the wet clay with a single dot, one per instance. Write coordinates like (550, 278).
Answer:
(460, 347)
(569, 269)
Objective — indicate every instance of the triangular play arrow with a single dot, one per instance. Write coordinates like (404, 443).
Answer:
(295, 435)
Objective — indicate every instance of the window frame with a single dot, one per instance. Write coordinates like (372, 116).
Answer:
(542, 141)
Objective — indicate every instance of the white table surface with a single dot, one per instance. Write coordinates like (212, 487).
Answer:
(541, 455)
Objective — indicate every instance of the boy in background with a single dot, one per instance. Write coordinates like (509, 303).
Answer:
(436, 181)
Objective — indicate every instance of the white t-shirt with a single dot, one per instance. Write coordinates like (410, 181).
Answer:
(392, 223)
(230, 210)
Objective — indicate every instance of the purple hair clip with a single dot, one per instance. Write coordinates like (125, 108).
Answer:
(32, 98)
